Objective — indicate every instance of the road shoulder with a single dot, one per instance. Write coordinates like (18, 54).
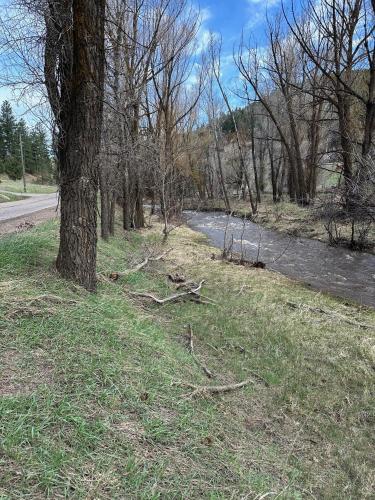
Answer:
(23, 222)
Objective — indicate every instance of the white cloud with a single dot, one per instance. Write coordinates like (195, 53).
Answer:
(264, 3)
(205, 14)
(257, 10)
(203, 39)
(204, 34)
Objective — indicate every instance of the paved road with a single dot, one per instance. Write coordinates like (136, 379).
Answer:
(33, 203)
(331, 269)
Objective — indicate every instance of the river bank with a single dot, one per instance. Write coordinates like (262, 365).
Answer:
(329, 269)
(287, 218)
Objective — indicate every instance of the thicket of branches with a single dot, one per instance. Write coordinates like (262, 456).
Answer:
(142, 112)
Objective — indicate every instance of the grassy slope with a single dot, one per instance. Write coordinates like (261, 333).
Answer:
(4, 198)
(88, 409)
(17, 187)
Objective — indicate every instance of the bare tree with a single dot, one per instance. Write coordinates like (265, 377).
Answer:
(215, 59)
(338, 38)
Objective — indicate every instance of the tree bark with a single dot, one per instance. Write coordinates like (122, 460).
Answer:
(79, 146)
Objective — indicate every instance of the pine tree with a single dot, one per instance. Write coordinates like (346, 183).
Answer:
(22, 133)
(38, 159)
(7, 131)
(9, 155)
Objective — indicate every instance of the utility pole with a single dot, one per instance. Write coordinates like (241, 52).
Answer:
(23, 165)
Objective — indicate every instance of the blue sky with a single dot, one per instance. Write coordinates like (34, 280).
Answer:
(227, 17)
(230, 17)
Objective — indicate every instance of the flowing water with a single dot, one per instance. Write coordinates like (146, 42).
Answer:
(330, 269)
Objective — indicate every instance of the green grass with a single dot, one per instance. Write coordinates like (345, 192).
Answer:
(88, 409)
(17, 187)
(4, 198)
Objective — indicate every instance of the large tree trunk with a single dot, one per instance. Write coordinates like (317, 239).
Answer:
(80, 145)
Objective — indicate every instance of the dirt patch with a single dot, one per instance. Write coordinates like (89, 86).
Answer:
(27, 221)
(133, 430)
(21, 375)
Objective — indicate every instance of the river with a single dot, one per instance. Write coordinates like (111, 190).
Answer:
(336, 270)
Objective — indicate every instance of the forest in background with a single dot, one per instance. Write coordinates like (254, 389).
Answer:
(14, 135)
(143, 362)
(148, 116)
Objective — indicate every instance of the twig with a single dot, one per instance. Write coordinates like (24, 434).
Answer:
(172, 298)
(138, 267)
(53, 299)
(330, 312)
(240, 291)
(26, 311)
(212, 389)
(191, 349)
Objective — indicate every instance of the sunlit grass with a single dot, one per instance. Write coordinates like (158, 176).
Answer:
(17, 187)
(6, 197)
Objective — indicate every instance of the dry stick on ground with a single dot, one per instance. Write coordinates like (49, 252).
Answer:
(191, 349)
(25, 311)
(31, 306)
(53, 299)
(193, 293)
(212, 389)
(329, 312)
(140, 266)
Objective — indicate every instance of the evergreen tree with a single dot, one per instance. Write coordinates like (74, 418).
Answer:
(8, 141)
(39, 160)
(35, 147)
(22, 133)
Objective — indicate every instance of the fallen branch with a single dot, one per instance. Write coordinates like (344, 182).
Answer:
(115, 276)
(53, 299)
(329, 312)
(194, 293)
(212, 389)
(30, 312)
(191, 349)
(33, 306)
